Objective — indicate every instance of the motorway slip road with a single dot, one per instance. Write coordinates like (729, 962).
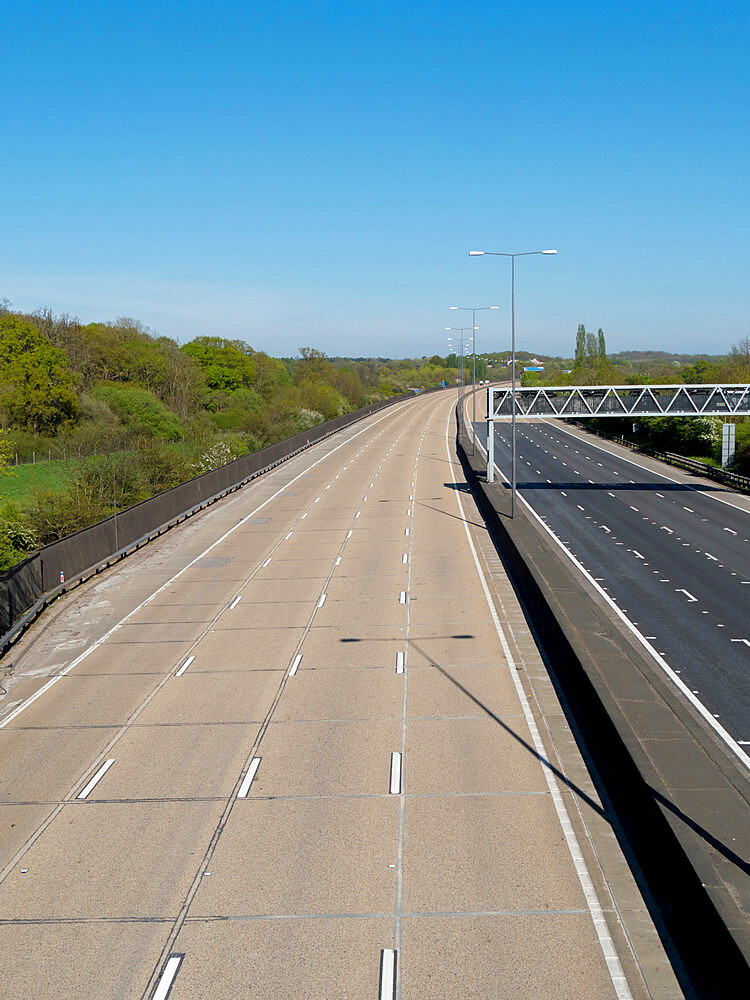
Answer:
(305, 746)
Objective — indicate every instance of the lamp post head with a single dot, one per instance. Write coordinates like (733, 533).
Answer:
(453, 307)
(476, 253)
(494, 307)
(549, 251)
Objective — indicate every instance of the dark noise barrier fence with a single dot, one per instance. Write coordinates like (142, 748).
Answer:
(27, 588)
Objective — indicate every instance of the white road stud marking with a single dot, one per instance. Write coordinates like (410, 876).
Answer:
(248, 779)
(97, 777)
(322, 600)
(235, 602)
(399, 662)
(295, 663)
(167, 977)
(681, 590)
(387, 989)
(184, 666)
(395, 787)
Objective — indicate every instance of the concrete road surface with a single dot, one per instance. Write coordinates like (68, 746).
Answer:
(305, 746)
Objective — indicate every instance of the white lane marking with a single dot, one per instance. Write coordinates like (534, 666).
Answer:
(317, 500)
(708, 554)
(688, 509)
(248, 779)
(395, 788)
(580, 507)
(399, 662)
(295, 663)
(746, 641)
(97, 777)
(634, 508)
(411, 496)
(371, 485)
(405, 557)
(665, 528)
(357, 514)
(406, 531)
(266, 563)
(184, 666)
(235, 602)
(322, 600)
(348, 534)
(338, 561)
(605, 941)
(364, 498)
(563, 493)
(731, 532)
(611, 495)
(661, 475)
(387, 989)
(408, 513)
(167, 977)
(304, 516)
(660, 495)
(605, 528)
(402, 597)
(637, 554)
(681, 590)
(288, 535)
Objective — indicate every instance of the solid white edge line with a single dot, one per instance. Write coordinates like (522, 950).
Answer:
(167, 977)
(295, 663)
(387, 974)
(248, 779)
(698, 705)
(395, 786)
(399, 662)
(184, 666)
(97, 777)
(592, 900)
(102, 639)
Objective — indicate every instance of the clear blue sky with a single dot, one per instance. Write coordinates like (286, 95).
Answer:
(315, 173)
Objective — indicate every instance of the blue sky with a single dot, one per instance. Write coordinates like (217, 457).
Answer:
(316, 173)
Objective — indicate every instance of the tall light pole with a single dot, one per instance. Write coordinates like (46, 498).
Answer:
(462, 330)
(474, 310)
(490, 428)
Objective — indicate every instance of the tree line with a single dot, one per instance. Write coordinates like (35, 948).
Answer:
(124, 413)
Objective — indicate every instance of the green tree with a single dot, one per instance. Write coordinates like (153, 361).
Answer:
(580, 356)
(602, 346)
(37, 388)
(227, 364)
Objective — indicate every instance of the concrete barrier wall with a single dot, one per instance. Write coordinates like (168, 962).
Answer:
(680, 795)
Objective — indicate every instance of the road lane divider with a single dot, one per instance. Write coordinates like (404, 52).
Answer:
(249, 777)
(184, 666)
(235, 602)
(168, 976)
(387, 988)
(96, 779)
(295, 664)
(400, 661)
(322, 600)
(395, 784)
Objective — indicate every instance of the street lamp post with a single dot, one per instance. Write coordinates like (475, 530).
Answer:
(474, 310)
(490, 428)
(462, 330)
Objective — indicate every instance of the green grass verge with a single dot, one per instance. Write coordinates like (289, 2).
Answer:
(19, 483)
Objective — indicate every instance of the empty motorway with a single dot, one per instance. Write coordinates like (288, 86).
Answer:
(305, 746)
(673, 557)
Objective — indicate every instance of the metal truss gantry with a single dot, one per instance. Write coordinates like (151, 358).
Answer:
(580, 401)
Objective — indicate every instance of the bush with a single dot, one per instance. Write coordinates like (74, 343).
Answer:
(17, 537)
(140, 411)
